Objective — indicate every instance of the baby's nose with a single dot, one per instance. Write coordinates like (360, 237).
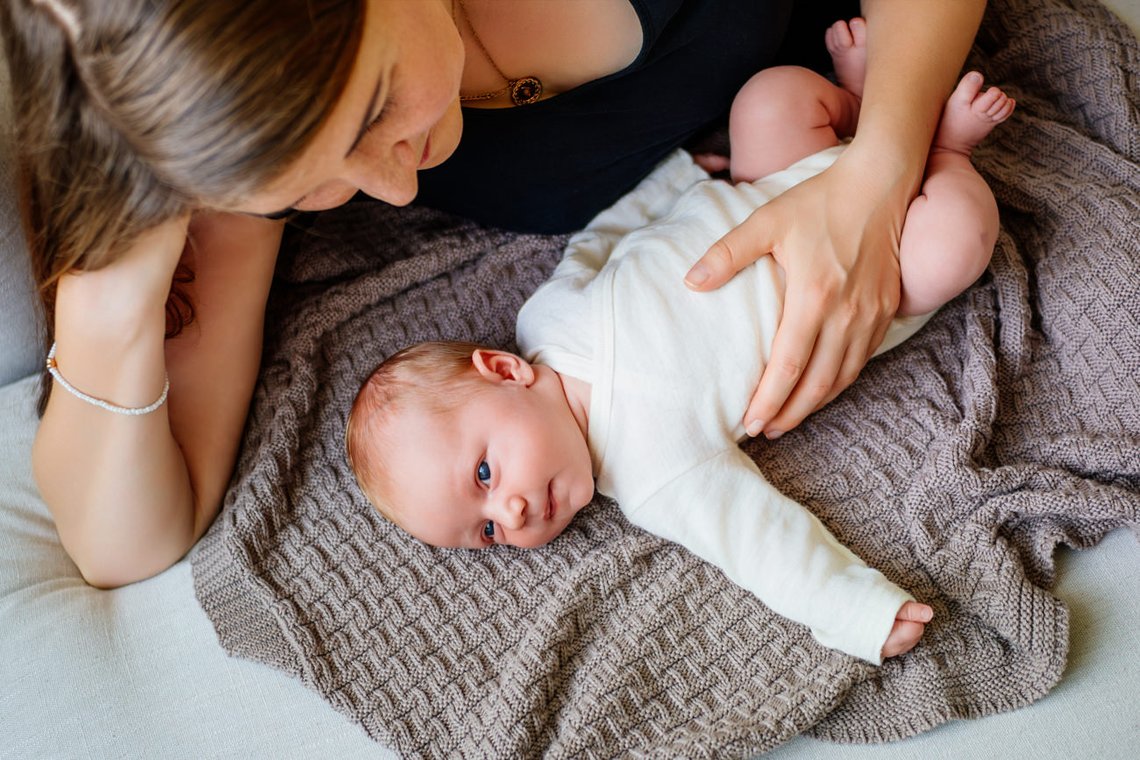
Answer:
(512, 512)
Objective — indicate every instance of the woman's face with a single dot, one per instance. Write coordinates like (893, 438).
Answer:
(399, 113)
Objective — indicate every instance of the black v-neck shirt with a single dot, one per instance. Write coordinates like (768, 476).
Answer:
(551, 166)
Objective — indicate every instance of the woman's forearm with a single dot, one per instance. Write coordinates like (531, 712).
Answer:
(915, 51)
(131, 494)
(116, 485)
(217, 358)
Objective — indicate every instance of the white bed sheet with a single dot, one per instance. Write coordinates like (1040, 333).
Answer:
(137, 672)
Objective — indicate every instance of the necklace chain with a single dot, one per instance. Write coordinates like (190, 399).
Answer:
(523, 91)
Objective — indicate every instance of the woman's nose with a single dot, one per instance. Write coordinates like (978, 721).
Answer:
(388, 175)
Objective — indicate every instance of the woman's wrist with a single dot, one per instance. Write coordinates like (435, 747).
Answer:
(110, 338)
(105, 307)
(891, 175)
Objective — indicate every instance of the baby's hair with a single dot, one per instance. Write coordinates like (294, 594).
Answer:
(436, 376)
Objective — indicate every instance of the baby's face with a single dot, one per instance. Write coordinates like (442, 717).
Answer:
(509, 466)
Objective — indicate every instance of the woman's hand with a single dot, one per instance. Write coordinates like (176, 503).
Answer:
(120, 298)
(836, 238)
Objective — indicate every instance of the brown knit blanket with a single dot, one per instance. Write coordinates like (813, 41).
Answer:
(957, 464)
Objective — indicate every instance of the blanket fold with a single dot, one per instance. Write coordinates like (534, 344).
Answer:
(956, 465)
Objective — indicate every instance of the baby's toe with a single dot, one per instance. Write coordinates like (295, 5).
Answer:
(966, 93)
(838, 38)
(993, 104)
(985, 103)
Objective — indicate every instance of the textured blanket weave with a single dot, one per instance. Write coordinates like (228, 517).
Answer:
(956, 465)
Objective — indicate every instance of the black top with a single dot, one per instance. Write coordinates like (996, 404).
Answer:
(551, 166)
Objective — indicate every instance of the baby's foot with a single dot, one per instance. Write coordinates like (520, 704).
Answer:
(971, 114)
(847, 43)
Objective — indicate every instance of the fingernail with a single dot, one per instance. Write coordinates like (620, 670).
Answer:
(697, 275)
(774, 434)
(753, 428)
(974, 76)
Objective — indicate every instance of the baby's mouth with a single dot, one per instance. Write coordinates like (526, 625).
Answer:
(551, 506)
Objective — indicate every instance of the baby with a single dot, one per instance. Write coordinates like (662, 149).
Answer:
(636, 386)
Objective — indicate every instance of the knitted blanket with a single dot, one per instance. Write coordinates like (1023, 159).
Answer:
(956, 464)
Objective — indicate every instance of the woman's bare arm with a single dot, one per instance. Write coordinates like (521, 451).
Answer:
(130, 495)
(837, 235)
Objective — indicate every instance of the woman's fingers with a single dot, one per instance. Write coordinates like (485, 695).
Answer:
(741, 247)
(836, 246)
(823, 341)
(797, 346)
(859, 351)
(817, 353)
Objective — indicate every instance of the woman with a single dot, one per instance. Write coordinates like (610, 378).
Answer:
(154, 138)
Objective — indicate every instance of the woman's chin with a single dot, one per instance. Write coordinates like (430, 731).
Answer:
(444, 138)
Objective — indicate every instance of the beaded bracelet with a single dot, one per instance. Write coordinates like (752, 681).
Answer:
(132, 411)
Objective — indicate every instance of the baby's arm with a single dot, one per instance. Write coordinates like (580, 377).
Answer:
(724, 511)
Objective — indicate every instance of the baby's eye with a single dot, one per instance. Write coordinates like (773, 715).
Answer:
(484, 471)
(489, 530)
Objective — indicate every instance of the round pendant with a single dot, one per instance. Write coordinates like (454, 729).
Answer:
(525, 90)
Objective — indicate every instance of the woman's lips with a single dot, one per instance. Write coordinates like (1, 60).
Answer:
(427, 151)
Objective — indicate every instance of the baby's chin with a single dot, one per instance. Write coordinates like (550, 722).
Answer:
(540, 541)
(545, 540)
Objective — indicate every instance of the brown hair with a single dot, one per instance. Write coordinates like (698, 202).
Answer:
(437, 375)
(128, 113)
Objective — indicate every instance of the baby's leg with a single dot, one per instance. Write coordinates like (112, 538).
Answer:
(787, 113)
(950, 229)
(784, 114)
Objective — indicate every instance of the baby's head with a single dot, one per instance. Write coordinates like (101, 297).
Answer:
(466, 446)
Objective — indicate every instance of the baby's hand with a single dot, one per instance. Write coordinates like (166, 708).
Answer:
(908, 628)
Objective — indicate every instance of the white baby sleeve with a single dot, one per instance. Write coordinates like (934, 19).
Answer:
(725, 511)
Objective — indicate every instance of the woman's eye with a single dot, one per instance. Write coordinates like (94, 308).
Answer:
(385, 113)
(372, 125)
(484, 472)
(489, 530)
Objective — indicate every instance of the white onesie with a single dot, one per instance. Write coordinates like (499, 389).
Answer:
(672, 372)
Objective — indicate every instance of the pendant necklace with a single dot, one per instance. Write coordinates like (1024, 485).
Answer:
(523, 91)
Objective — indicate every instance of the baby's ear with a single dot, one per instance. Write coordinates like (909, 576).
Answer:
(502, 367)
